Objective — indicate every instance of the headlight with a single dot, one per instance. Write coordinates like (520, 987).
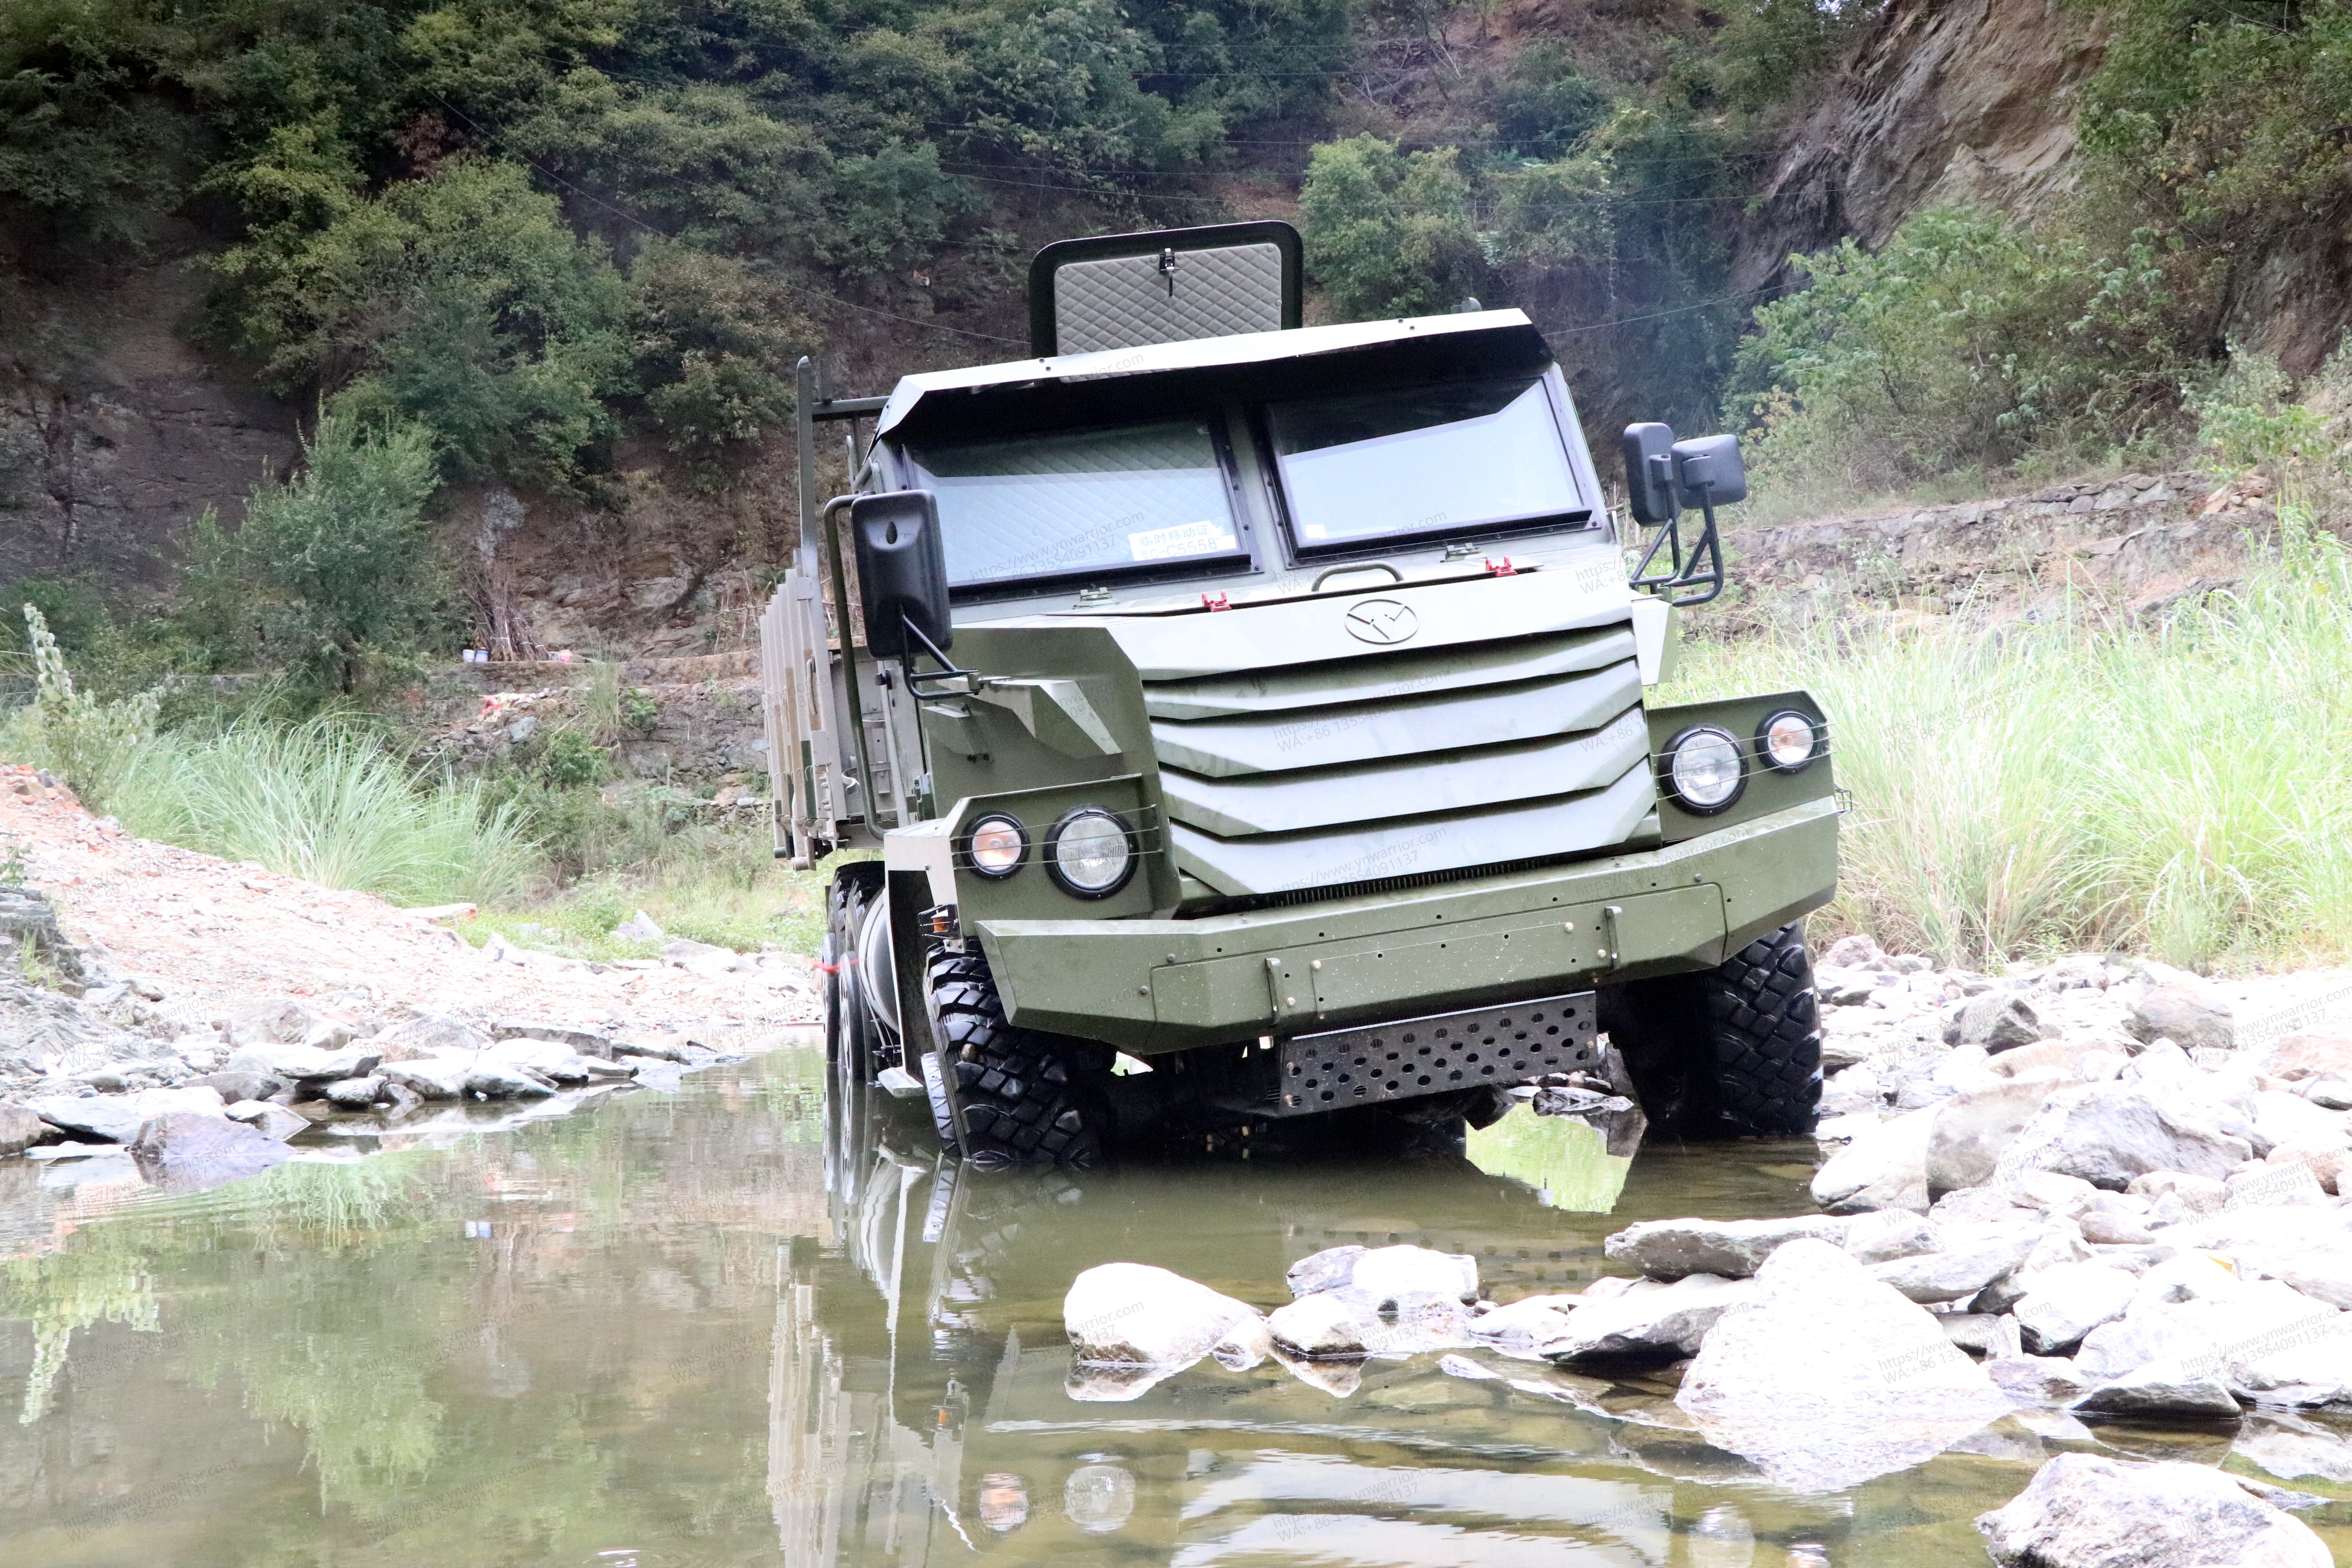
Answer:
(1089, 853)
(1703, 769)
(997, 847)
(1788, 739)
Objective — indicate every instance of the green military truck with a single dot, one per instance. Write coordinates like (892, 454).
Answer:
(1267, 707)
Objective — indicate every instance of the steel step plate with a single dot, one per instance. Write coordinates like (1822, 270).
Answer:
(1415, 1057)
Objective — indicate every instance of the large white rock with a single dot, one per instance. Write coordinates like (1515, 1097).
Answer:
(1825, 1377)
(1405, 1275)
(2083, 1511)
(2161, 1389)
(1970, 1132)
(1133, 1314)
(2108, 1133)
(432, 1077)
(1886, 1167)
(1729, 1248)
(1650, 1319)
(1321, 1325)
(2307, 1248)
(1526, 1325)
(1970, 1261)
(2062, 1303)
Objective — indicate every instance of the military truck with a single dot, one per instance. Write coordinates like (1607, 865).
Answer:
(1254, 722)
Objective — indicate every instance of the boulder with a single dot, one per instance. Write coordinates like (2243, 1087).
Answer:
(431, 1077)
(2162, 1389)
(275, 1119)
(190, 1152)
(1971, 1130)
(1853, 951)
(2064, 1302)
(1966, 1268)
(1321, 1325)
(356, 1093)
(1389, 1280)
(2308, 1249)
(1886, 1235)
(233, 1086)
(2184, 1011)
(2085, 1511)
(2108, 1133)
(493, 1079)
(2288, 1184)
(1132, 1314)
(92, 1118)
(2037, 1378)
(1996, 1021)
(1886, 1167)
(1732, 1249)
(1649, 1319)
(2311, 1055)
(1823, 1377)
(2290, 1119)
(638, 927)
(428, 1035)
(2198, 1195)
(1992, 1335)
(586, 1042)
(1524, 1326)
(21, 1128)
(307, 1066)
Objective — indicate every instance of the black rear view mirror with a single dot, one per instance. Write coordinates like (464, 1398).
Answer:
(1708, 472)
(902, 573)
(1650, 473)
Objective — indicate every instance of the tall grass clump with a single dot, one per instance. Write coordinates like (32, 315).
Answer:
(2092, 783)
(326, 801)
(92, 743)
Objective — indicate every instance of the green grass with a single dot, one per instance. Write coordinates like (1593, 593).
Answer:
(2090, 784)
(327, 801)
(718, 885)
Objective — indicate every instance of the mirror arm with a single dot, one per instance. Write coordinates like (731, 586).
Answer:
(1688, 579)
(947, 670)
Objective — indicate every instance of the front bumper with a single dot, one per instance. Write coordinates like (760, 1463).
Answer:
(1149, 986)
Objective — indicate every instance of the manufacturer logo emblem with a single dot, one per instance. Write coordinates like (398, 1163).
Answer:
(1381, 621)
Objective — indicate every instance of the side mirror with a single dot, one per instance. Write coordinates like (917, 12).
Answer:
(1707, 470)
(1650, 473)
(902, 570)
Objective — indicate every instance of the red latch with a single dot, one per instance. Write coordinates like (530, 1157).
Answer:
(1505, 570)
(1217, 601)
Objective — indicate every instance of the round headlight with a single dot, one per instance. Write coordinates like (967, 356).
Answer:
(997, 847)
(1703, 769)
(1788, 739)
(1089, 853)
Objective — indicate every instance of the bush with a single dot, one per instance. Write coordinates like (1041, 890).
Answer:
(463, 302)
(1965, 341)
(1387, 233)
(94, 744)
(712, 344)
(333, 580)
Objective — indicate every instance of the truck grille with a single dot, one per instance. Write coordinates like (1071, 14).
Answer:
(1403, 763)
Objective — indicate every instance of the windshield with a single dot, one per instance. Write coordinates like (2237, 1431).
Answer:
(1430, 459)
(1037, 506)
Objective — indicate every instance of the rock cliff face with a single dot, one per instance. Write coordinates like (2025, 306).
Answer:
(115, 431)
(1950, 101)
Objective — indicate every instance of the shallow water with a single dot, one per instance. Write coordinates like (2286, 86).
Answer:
(649, 1334)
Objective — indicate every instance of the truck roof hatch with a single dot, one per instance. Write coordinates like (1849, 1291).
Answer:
(1164, 286)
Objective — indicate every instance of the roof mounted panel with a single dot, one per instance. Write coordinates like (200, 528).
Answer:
(1163, 286)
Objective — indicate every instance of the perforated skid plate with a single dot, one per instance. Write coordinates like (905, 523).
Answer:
(1431, 1056)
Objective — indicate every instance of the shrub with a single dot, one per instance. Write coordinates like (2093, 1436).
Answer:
(333, 580)
(1966, 341)
(1387, 233)
(92, 743)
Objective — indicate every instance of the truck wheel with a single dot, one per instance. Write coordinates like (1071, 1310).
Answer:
(1734, 1052)
(1025, 1097)
(848, 1025)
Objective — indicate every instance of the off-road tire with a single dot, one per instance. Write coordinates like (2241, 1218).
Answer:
(1025, 1095)
(1730, 1053)
(849, 1027)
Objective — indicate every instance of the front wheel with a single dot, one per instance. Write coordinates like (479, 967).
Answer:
(1028, 1096)
(1733, 1052)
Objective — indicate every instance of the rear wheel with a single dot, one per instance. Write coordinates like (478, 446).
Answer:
(1028, 1096)
(849, 1027)
(1733, 1052)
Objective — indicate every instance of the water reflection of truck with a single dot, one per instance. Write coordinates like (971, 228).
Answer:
(921, 1407)
(1269, 703)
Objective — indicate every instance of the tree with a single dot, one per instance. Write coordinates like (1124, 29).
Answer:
(334, 579)
(1389, 232)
